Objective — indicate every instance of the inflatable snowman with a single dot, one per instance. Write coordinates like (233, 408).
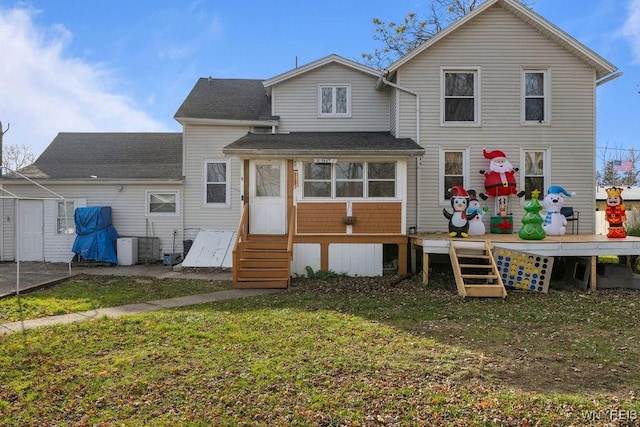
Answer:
(555, 224)
(476, 226)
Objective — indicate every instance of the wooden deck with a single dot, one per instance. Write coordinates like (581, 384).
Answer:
(569, 245)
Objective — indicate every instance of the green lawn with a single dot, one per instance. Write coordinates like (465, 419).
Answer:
(90, 292)
(336, 352)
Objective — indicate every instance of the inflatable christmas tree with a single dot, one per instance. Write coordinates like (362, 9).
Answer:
(532, 221)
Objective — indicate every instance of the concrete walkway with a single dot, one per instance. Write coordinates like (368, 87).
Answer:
(124, 310)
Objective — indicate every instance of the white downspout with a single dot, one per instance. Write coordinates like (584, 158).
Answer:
(417, 95)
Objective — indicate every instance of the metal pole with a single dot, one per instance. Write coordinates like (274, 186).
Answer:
(17, 225)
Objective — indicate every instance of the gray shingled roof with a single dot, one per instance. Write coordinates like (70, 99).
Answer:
(122, 156)
(315, 144)
(226, 99)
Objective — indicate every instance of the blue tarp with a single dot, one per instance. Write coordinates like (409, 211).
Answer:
(95, 236)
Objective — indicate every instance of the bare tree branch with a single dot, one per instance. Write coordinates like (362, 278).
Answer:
(399, 39)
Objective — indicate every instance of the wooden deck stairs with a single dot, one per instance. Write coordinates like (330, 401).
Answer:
(475, 269)
(263, 262)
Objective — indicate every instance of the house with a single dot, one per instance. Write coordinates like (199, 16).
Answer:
(138, 175)
(334, 162)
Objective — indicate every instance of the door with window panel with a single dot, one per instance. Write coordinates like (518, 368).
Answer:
(267, 197)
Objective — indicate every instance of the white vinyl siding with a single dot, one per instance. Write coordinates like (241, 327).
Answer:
(494, 41)
(203, 143)
(296, 102)
(128, 207)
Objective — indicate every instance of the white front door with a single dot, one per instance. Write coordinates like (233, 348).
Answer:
(30, 236)
(267, 197)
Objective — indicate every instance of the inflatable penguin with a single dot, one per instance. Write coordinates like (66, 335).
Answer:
(459, 220)
(555, 224)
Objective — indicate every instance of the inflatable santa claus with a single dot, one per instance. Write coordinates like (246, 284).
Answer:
(499, 180)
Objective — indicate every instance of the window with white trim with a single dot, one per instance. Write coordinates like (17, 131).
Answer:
(355, 180)
(65, 223)
(453, 171)
(334, 100)
(349, 179)
(162, 202)
(460, 96)
(535, 96)
(534, 173)
(381, 179)
(216, 182)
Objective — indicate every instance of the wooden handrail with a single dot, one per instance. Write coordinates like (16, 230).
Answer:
(241, 237)
(292, 230)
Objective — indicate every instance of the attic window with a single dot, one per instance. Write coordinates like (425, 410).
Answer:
(334, 100)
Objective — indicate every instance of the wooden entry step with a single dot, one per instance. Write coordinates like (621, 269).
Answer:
(263, 262)
(475, 269)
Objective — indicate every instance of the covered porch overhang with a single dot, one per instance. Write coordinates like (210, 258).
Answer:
(323, 144)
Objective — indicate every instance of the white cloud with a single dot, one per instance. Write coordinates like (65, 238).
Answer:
(43, 91)
(631, 29)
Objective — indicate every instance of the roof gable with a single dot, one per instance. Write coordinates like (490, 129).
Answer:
(540, 24)
(122, 156)
(330, 59)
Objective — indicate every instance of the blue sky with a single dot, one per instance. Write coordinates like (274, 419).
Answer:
(123, 65)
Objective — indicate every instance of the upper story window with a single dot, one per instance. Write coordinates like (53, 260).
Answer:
(460, 96)
(453, 171)
(64, 220)
(162, 202)
(535, 87)
(349, 180)
(216, 182)
(534, 162)
(334, 100)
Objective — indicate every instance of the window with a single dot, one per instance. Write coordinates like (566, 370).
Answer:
(534, 172)
(317, 180)
(65, 222)
(453, 164)
(216, 182)
(162, 202)
(334, 100)
(460, 96)
(535, 96)
(381, 180)
(349, 180)
(267, 180)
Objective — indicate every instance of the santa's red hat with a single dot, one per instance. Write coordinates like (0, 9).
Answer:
(492, 154)
(458, 191)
